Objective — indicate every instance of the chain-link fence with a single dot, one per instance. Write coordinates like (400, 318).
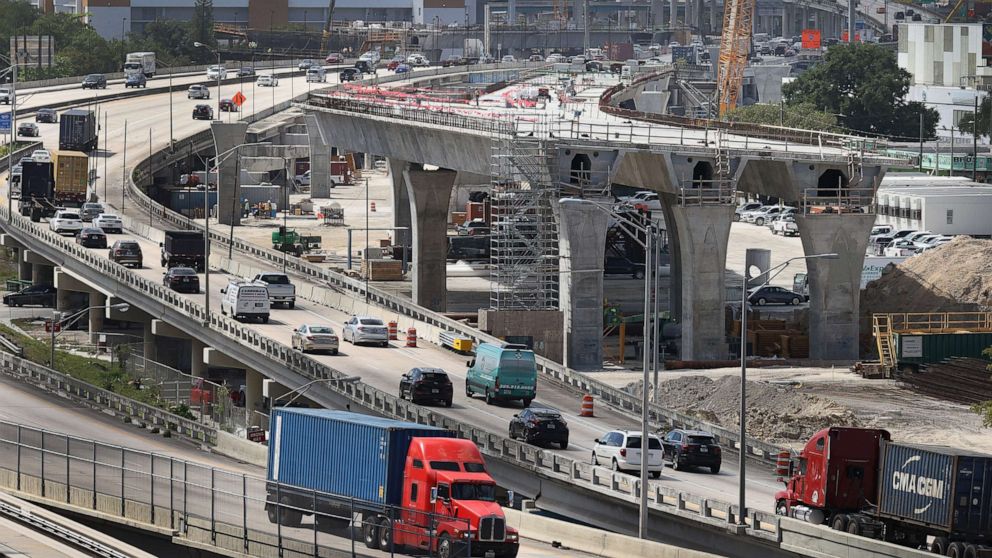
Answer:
(232, 511)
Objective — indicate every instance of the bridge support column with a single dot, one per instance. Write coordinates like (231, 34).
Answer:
(96, 315)
(834, 284)
(148, 348)
(24, 268)
(253, 397)
(583, 246)
(401, 201)
(226, 137)
(429, 193)
(699, 236)
(673, 8)
(320, 159)
(198, 363)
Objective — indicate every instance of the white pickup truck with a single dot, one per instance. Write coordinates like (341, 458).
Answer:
(281, 289)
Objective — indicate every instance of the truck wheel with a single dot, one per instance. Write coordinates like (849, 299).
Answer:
(489, 397)
(955, 550)
(853, 527)
(292, 304)
(385, 534)
(270, 510)
(265, 319)
(290, 517)
(939, 546)
(370, 532)
(468, 390)
(970, 551)
(781, 508)
(839, 522)
(444, 548)
(527, 401)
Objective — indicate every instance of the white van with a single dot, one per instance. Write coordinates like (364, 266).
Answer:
(246, 300)
(316, 74)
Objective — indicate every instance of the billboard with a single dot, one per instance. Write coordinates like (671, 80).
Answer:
(33, 50)
(811, 38)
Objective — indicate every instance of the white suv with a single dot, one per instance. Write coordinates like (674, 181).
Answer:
(621, 451)
(267, 81)
(216, 72)
(65, 221)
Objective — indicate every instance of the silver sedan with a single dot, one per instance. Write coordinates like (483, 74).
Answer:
(309, 338)
(365, 329)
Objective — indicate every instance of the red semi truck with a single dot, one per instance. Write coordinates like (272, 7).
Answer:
(414, 486)
(857, 480)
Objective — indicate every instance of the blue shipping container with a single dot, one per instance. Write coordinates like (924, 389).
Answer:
(937, 486)
(347, 454)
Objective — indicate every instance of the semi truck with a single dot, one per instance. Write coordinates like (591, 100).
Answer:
(183, 248)
(414, 486)
(37, 189)
(78, 130)
(72, 177)
(140, 63)
(859, 481)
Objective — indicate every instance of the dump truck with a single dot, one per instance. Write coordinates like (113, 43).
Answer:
(414, 486)
(288, 240)
(183, 248)
(72, 177)
(859, 481)
(78, 130)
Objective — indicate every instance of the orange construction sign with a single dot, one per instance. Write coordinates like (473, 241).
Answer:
(811, 38)
(238, 99)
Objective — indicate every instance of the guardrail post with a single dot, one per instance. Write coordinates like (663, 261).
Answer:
(94, 473)
(43, 464)
(19, 462)
(68, 496)
(279, 521)
(316, 522)
(152, 467)
(172, 493)
(213, 519)
(244, 509)
(185, 511)
(123, 513)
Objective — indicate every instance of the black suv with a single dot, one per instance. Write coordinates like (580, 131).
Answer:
(692, 448)
(540, 426)
(349, 74)
(614, 265)
(126, 252)
(42, 294)
(182, 280)
(95, 81)
(46, 115)
(426, 384)
(203, 112)
(91, 237)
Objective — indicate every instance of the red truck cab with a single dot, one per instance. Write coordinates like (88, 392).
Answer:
(446, 484)
(835, 473)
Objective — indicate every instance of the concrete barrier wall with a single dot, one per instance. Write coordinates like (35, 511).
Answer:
(591, 540)
(243, 450)
(16, 156)
(820, 541)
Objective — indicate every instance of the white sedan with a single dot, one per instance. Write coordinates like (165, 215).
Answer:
(41, 156)
(109, 223)
(267, 81)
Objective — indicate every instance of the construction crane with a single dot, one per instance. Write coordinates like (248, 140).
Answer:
(325, 37)
(735, 45)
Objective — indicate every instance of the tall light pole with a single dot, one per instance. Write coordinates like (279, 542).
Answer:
(741, 513)
(13, 131)
(123, 33)
(198, 44)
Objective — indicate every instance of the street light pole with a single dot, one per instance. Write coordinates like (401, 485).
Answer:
(13, 133)
(642, 524)
(742, 467)
(220, 75)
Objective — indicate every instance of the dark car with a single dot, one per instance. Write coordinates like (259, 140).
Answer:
(136, 80)
(126, 252)
(614, 265)
(540, 427)
(46, 115)
(28, 129)
(95, 81)
(421, 385)
(227, 105)
(42, 294)
(203, 112)
(365, 67)
(774, 295)
(692, 448)
(349, 74)
(91, 237)
(182, 280)
(246, 71)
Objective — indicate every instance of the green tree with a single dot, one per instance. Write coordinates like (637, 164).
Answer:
(984, 119)
(801, 115)
(984, 409)
(202, 27)
(866, 88)
(16, 16)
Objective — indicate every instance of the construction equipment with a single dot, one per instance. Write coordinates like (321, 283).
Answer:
(288, 240)
(325, 37)
(735, 44)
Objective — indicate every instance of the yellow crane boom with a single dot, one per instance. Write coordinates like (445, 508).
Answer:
(325, 37)
(735, 44)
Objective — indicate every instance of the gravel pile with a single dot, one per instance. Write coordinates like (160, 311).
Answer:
(777, 413)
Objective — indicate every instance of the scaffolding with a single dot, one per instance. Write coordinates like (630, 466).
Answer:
(524, 237)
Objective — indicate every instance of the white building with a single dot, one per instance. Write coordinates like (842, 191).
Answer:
(948, 70)
(942, 205)
(57, 6)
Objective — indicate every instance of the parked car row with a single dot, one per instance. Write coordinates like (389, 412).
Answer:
(886, 241)
(762, 214)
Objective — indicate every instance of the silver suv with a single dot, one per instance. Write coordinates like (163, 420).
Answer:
(6, 94)
(198, 92)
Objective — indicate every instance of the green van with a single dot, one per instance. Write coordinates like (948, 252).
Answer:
(502, 373)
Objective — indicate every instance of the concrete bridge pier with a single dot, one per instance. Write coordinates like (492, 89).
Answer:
(834, 284)
(253, 382)
(148, 347)
(25, 271)
(226, 137)
(162, 329)
(96, 315)
(320, 159)
(401, 201)
(197, 362)
(42, 270)
(582, 227)
(429, 192)
(698, 236)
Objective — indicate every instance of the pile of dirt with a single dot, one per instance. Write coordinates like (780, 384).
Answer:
(956, 277)
(777, 412)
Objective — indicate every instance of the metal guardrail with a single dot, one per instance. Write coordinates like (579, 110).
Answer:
(940, 322)
(74, 538)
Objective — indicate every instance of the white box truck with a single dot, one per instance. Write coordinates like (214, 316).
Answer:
(140, 63)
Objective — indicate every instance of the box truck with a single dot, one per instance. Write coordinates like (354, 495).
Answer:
(183, 248)
(72, 177)
(78, 130)
(414, 486)
(140, 63)
(859, 481)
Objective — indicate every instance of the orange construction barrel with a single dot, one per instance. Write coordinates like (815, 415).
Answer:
(393, 331)
(411, 337)
(372, 207)
(586, 406)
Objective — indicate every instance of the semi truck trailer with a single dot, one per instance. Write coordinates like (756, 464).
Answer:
(78, 130)
(72, 177)
(859, 481)
(414, 486)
